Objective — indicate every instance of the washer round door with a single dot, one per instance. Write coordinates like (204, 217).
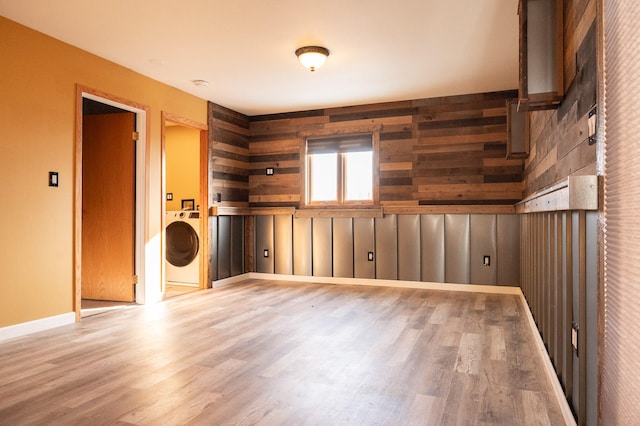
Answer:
(182, 244)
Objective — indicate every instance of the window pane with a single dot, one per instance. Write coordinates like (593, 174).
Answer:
(358, 176)
(323, 180)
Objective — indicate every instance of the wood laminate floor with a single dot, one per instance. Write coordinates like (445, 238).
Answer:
(97, 307)
(267, 352)
(173, 290)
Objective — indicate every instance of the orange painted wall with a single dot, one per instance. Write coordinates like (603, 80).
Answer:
(182, 149)
(38, 77)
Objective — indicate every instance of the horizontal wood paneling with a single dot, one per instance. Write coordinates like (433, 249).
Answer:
(228, 157)
(439, 151)
(559, 138)
(578, 18)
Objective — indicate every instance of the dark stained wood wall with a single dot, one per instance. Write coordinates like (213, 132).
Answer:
(228, 156)
(559, 138)
(439, 151)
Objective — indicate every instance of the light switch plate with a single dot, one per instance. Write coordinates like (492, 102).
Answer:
(53, 179)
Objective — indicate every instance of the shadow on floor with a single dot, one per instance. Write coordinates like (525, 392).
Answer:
(96, 307)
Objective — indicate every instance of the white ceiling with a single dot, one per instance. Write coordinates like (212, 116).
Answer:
(381, 50)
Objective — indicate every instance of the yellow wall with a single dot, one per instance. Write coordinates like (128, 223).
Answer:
(182, 148)
(38, 77)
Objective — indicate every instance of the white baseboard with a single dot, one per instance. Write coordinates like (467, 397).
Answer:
(548, 366)
(385, 283)
(231, 280)
(22, 329)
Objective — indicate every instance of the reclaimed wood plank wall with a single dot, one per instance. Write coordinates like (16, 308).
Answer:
(439, 151)
(228, 156)
(559, 137)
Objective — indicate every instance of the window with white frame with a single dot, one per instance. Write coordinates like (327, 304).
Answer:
(340, 170)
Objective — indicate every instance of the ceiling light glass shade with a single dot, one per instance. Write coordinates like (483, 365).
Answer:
(312, 57)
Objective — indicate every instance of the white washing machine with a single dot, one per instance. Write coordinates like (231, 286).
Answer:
(183, 248)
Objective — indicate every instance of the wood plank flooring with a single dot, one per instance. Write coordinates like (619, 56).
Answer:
(267, 352)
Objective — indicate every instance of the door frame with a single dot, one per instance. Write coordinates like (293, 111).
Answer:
(204, 195)
(144, 291)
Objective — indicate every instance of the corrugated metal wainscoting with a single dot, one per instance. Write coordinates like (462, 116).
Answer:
(560, 282)
(448, 248)
(226, 241)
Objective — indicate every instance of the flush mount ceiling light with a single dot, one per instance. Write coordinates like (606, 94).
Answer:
(312, 57)
(200, 83)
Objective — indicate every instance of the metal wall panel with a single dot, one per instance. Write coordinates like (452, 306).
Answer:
(302, 246)
(432, 243)
(224, 247)
(343, 247)
(283, 243)
(321, 242)
(363, 244)
(591, 334)
(483, 243)
(508, 257)
(567, 366)
(213, 248)
(237, 245)
(409, 247)
(264, 241)
(386, 247)
(541, 52)
(556, 295)
(575, 268)
(547, 288)
(456, 227)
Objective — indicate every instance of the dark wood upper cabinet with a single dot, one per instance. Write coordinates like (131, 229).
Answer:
(541, 54)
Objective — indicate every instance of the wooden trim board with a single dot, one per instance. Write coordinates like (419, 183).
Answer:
(575, 193)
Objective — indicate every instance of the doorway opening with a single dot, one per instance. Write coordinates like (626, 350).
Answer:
(110, 210)
(185, 212)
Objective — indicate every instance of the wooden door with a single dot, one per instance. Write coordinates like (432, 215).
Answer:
(108, 206)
